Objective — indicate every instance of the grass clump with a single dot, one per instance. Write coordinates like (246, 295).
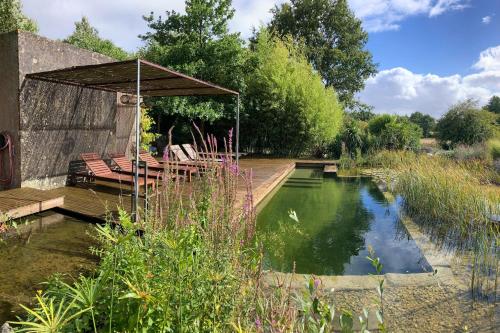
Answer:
(451, 199)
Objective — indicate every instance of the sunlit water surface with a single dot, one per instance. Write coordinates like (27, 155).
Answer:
(339, 219)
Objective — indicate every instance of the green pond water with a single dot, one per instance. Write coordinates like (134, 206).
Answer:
(50, 244)
(339, 218)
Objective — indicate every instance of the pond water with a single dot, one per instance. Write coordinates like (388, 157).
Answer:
(338, 220)
(51, 243)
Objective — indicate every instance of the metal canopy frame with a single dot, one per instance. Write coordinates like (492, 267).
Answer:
(138, 77)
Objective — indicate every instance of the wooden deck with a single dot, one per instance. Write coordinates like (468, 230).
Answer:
(330, 169)
(94, 201)
(22, 202)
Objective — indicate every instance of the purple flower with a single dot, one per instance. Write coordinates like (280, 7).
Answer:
(258, 324)
(316, 283)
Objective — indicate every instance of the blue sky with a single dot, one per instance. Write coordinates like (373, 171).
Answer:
(431, 53)
(444, 45)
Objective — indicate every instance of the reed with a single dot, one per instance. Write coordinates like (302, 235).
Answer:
(454, 203)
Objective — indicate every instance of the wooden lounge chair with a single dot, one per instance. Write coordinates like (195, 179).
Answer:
(126, 166)
(99, 170)
(194, 155)
(188, 170)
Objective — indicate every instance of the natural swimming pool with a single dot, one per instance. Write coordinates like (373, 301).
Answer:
(51, 243)
(338, 220)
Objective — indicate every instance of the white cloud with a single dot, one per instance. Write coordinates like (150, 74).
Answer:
(383, 15)
(121, 20)
(489, 59)
(486, 19)
(400, 91)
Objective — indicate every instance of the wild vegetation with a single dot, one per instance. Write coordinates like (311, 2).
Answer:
(87, 37)
(453, 201)
(290, 111)
(12, 17)
(192, 264)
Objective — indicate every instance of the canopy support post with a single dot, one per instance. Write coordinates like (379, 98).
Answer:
(135, 208)
(238, 131)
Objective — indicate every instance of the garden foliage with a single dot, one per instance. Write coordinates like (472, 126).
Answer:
(289, 110)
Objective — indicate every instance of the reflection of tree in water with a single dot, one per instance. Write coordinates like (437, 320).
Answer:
(332, 223)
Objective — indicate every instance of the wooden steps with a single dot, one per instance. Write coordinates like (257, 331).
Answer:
(25, 201)
(330, 170)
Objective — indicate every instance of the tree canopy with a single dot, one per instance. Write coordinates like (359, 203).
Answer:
(425, 121)
(289, 109)
(198, 43)
(12, 17)
(493, 105)
(335, 41)
(465, 124)
(87, 37)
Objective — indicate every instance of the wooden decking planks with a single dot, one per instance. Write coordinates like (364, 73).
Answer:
(98, 199)
(330, 169)
(25, 201)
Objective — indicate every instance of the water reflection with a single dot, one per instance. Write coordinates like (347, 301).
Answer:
(51, 244)
(339, 218)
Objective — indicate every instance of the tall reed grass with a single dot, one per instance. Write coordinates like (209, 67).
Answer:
(454, 202)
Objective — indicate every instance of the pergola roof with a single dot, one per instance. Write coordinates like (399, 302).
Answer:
(121, 76)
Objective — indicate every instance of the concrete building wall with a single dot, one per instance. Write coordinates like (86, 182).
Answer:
(9, 101)
(58, 122)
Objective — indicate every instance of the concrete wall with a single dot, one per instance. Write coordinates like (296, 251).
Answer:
(58, 122)
(9, 105)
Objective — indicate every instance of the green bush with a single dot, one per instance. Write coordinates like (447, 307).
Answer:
(394, 133)
(465, 124)
(289, 109)
(494, 148)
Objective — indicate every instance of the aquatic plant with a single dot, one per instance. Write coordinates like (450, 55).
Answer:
(454, 203)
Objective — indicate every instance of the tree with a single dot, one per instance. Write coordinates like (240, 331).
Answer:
(425, 121)
(12, 17)
(392, 132)
(362, 112)
(464, 124)
(335, 42)
(289, 109)
(87, 37)
(493, 105)
(198, 43)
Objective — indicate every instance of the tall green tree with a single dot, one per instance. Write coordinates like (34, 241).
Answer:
(12, 17)
(87, 37)
(198, 43)
(425, 121)
(465, 124)
(335, 41)
(289, 111)
(493, 105)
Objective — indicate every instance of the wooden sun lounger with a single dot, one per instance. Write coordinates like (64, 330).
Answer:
(194, 155)
(154, 164)
(100, 170)
(126, 166)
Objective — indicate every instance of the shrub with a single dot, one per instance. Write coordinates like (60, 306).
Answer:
(494, 148)
(425, 121)
(394, 133)
(290, 111)
(464, 124)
